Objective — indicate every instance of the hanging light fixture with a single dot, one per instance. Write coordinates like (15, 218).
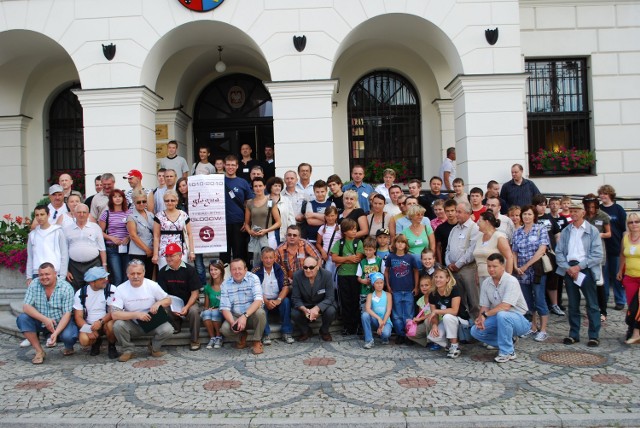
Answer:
(220, 66)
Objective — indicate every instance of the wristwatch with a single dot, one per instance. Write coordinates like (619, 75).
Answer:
(484, 314)
(245, 315)
(279, 299)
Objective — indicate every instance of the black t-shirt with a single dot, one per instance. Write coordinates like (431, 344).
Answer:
(561, 222)
(354, 215)
(442, 235)
(444, 302)
(552, 227)
(427, 201)
(337, 201)
(244, 170)
(179, 283)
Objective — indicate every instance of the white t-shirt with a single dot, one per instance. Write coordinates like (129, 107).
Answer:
(95, 303)
(138, 299)
(270, 288)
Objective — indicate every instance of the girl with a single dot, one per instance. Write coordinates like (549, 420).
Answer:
(377, 312)
(401, 276)
(211, 316)
(113, 222)
(514, 215)
(423, 303)
(328, 234)
(183, 194)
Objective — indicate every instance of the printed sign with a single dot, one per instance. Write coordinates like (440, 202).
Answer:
(201, 5)
(206, 210)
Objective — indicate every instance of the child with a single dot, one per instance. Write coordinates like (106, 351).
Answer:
(211, 316)
(428, 260)
(327, 235)
(554, 210)
(476, 203)
(347, 253)
(440, 216)
(383, 238)
(377, 312)
(314, 210)
(401, 275)
(370, 264)
(423, 303)
(458, 188)
(565, 203)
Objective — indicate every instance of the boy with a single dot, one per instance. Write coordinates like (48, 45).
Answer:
(565, 203)
(383, 238)
(347, 253)
(313, 211)
(476, 203)
(203, 166)
(554, 208)
(369, 264)
(458, 191)
(46, 243)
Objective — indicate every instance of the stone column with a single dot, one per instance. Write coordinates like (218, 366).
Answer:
(447, 125)
(119, 132)
(13, 164)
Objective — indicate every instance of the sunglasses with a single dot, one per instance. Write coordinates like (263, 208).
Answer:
(292, 235)
(140, 202)
(309, 267)
(633, 222)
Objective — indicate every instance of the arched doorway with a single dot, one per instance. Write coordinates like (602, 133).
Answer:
(232, 111)
(384, 123)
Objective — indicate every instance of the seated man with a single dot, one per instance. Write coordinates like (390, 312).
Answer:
(313, 296)
(137, 300)
(181, 281)
(502, 309)
(47, 308)
(92, 310)
(241, 306)
(274, 294)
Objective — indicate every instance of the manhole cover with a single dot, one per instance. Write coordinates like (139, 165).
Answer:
(34, 384)
(610, 379)
(317, 361)
(572, 358)
(416, 382)
(222, 385)
(149, 364)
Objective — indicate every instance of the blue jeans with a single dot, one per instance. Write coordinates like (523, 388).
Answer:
(117, 264)
(403, 307)
(284, 309)
(590, 293)
(69, 335)
(609, 272)
(369, 323)
(534, 295)
(500, 329)
(202, 272)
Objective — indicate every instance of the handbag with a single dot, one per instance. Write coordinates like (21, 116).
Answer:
(545, 260)
(410, 326)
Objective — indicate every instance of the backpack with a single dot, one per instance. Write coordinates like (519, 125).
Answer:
(355, 246)
(83, 298)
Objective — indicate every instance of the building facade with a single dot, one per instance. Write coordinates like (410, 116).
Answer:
(366, 80)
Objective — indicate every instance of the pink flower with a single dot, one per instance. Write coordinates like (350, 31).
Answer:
(7, 217)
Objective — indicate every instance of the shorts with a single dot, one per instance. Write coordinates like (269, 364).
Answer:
(212, 315)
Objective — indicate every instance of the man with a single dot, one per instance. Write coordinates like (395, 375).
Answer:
(182, 283)
(256, 171)
(246, 162)
(97, 183)
(241, 306)
(402, 204)
(275, 294)
(427, 200)
(56, 206)
(66, 182)
(393, 208)
(170, 179)
(134, 178)
(448, 169)
(493, 191)
(518, 191)
(46, 243)
(203, 166)
(291, 253)
(502, 309)
(269, 163)
(47, 308)
(506, 224)
(237, 192)
(415, 188)
(459, 256)
(86, 246)
(442, 232)
(305, 185)
(618, 225)
(312, 297)
(101, 200)
(579, 256)
(173, 161)
(475, 197)
(92, 312)
(295, 195)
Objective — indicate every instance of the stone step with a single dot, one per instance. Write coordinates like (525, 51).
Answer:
(12, 293)
(16, 307)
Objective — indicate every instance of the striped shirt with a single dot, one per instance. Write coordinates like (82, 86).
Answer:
(237, 297)
(60, 302)
(116, 223)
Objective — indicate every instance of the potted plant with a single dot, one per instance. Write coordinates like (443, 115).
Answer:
(562, 160)
(375, 168)
(13, 250)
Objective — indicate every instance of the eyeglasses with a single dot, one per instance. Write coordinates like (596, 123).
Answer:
(309, 267)
(170, 200)
(292, 235)
(140, 202)
(633, 222)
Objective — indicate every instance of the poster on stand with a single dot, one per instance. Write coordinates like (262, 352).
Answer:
(206, 211)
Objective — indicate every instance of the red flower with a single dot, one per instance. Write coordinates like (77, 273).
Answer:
(7, 217)
(19, 220)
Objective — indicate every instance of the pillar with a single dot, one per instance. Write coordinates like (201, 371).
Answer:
(13, 163)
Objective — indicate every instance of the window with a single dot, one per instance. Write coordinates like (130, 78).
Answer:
(557, 108)
(384, 122)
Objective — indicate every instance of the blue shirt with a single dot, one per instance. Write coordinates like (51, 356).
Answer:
(237, 297)
(60, 302)
(400, 270)
(526, 245)
(364, 191)
(234, 207)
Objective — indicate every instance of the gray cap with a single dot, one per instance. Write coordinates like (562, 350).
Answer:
(95, 273)
(55, 189)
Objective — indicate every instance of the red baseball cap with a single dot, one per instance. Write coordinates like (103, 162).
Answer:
(133, 173)
(172, 248)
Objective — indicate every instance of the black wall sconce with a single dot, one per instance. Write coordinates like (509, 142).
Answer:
(109, 51)
(491, 36)
(299, 42)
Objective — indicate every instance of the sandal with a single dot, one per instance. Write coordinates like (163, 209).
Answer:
(593, 343)
(570, 340)
(66, 352)
(39, 358)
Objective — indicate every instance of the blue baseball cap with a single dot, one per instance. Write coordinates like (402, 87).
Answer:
(96, 272)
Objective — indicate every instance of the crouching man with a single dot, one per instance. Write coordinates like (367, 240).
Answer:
(92, 311)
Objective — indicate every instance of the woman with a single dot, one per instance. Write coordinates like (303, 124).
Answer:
(261, 220)
(211, 316)
(170, 227)
(490, 241)
(113, 222)
(70, 217)
(529, 244)
(629, 272)
(140, 228)
(376, 219)
(353, 211)
(219, 165)
(388, 178)
(514, 215)
(601, 221)
(182, 186)
(419, 235)
(287, 216)
(447, 311)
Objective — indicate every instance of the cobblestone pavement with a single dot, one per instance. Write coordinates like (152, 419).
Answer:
(317, 383)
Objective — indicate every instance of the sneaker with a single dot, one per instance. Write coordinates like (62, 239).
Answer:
(504, 358)
(489, 347)
(529, 333)
(194, 346)
(217, 344)
(385, 341)
(434, 347)
(541, 336)
(25, 344)
(288, 338)
(266, 341)
(454, 352)
(368, 345)
(555, 309)
(212, 341)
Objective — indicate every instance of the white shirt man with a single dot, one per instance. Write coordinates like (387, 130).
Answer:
(448, 169)
(174, 161)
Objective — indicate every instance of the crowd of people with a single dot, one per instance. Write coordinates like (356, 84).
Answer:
(439, 269)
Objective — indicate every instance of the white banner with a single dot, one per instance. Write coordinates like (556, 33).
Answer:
(206, 210)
